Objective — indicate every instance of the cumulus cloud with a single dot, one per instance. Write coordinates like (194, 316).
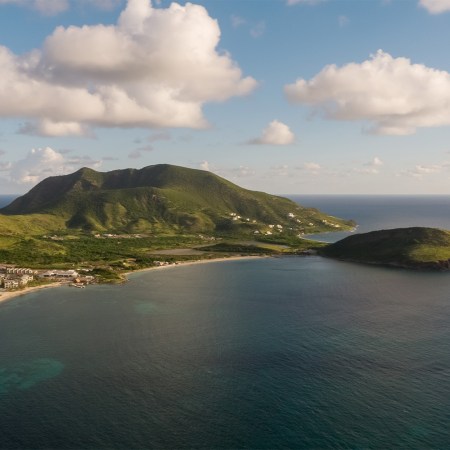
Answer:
(375, 162)
(237, 21)
(421, 170)
(204, 165)
(311, 167)
(258, 29)
(241, 172)
(155, 68)
(45, 162)
(51, 129)
(343, 21)
(435, 6)
(276, 133)
(394, 95)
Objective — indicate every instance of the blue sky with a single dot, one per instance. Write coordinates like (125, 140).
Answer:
(285, 96)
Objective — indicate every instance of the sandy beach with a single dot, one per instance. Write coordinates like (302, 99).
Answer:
(10, 295)
(191, 263)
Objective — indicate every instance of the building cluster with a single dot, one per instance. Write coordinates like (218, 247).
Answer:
(15, 277)
(60, 274)
(18, 277)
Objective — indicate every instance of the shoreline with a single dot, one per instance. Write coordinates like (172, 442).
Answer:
(10, 295)
(191, 263)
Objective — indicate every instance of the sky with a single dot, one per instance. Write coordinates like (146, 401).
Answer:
(283, 96)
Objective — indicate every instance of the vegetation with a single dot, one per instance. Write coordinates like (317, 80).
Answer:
(160, 199)
(115, 222)
(405, 247)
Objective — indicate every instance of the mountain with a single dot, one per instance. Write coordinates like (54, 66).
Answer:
(416, 247)
(161, 198)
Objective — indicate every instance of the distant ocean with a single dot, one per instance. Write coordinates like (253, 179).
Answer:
(373, 212)
(295, 352)
(6, 199)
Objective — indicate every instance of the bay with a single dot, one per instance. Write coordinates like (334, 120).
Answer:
(296, 352)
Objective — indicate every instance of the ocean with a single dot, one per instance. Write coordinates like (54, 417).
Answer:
(274, 353)
(377, 212)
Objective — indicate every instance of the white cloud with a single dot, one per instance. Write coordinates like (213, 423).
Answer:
(48, 128)
(237, 21)
(204, 165)
(367, 171)
(343, 21)
(311, 167)
(241, 172)
(276, 133)
(370, 168)
(435, 6)
(394, 95)
(258, 29)
(44, 162)
(376, 162)
(155, 68)
(46, 7)
(420, 170)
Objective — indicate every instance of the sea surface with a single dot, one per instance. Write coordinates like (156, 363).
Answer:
(376, 212)
(294, 352)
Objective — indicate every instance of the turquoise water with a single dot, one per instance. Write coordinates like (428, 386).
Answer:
(296, 352)
(273, 353)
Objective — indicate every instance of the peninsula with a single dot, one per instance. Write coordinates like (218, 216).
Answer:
(110, 223)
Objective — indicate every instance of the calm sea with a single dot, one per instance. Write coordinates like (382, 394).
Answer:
(381, 212)
(297, 352)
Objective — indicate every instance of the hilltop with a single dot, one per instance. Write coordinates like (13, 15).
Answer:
(157, 199)
(416, 247)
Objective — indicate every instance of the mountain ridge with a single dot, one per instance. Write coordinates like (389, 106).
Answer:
(163, 198)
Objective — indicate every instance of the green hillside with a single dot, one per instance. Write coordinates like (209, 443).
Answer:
(162, 199)
(405, 247)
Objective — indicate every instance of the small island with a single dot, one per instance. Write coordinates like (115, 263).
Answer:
(412, 248)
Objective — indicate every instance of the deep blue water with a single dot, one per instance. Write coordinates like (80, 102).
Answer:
(381, 212)
(297, 352)
(6, 200)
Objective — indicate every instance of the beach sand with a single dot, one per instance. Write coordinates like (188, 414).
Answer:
(192, 263)
(10, 295)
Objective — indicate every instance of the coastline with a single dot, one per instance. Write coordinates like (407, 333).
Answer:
(191, 263)
(10, 295)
